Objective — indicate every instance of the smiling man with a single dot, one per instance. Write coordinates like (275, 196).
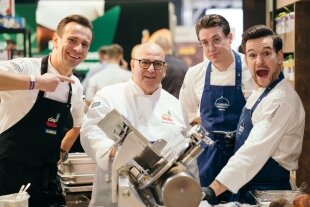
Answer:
(142, 101)
(271, 126)
(35, 126)
(216, 88)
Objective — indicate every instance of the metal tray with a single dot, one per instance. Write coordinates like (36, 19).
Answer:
(77, 163)
(78, 179)
(264, 198)
(76, 189)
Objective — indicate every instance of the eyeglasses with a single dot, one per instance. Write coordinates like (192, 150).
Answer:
(217, 41)
(145, 64)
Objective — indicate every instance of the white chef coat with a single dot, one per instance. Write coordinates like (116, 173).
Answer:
(278, 128)
(111, 74)
(156, 116)
(194, 81)
(15, 104)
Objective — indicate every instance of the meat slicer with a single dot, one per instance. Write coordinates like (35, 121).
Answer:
(148, 174)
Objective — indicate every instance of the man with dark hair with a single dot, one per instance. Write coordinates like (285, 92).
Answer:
(271, 126)
(215, 92)
(35, 126)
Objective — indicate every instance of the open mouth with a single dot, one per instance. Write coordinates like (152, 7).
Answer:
(262, 73)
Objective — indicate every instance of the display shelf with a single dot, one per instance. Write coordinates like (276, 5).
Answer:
(283, 3)
(288, 42)
(296, 43)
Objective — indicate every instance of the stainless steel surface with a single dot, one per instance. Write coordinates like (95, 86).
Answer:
(77, 163)
(264, 198)
(145, 174)
(75, 189)
(78, 179)
(181, 190)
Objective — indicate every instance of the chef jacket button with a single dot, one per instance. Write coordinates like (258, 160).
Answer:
(107, 178)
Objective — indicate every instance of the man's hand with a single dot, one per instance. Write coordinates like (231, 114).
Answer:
(48, 82)
(209, 193)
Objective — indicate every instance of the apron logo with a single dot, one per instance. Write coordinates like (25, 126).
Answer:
(167, 118)
(52, 123)
(222, 103)
(241, 127)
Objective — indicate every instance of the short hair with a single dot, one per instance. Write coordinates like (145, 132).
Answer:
(79, 19)
(212, 20)
(103, 50)
(259, 31)
(115, 50)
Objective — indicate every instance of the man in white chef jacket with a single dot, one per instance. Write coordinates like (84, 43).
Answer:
(150, 109)
(271, 127)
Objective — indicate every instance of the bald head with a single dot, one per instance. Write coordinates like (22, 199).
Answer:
(148, 78)
(147, 49)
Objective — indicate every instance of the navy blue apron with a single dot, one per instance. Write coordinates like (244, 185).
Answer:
(272, 176)
(30, 150)
(220, 109)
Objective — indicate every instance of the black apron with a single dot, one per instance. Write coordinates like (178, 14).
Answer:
(272, 176)
(30, 150)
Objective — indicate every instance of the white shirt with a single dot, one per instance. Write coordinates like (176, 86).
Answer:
(194, 81)
(279, 136)
(156, 116)
(15, 104)
(111, 74)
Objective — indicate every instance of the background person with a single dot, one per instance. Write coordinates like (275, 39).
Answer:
(271, 127)
(150, 109)
(113, 73)
(174, 77)
(102, 53)
(216, 89)
(34, 125)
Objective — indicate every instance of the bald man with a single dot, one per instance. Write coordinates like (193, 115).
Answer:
(143, 102)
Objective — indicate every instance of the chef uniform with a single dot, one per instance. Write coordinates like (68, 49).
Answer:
(30, 149)
(156, 116)
(266, 152)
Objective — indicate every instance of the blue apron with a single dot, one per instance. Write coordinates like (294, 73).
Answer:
(220, 109)
(272, 176)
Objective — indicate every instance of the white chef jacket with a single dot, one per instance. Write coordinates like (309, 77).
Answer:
(111, 74)
(194, 81)
(15, 104)
(278, 128)
(156, 116)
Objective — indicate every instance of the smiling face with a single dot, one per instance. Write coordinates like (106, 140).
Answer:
(263, 61)
(148, 79)
(70, 48)
(216, 46)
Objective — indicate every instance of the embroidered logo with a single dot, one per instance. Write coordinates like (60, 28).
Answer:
(167, 118)
(222, 103)
(241, 127)
(51, 124)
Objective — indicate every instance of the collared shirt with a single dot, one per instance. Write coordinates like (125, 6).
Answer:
(15, 104)
(194, 81)
(278, 128)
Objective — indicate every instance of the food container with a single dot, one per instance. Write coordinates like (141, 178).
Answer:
(11, 201)
(264, 198)
(76, 164)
